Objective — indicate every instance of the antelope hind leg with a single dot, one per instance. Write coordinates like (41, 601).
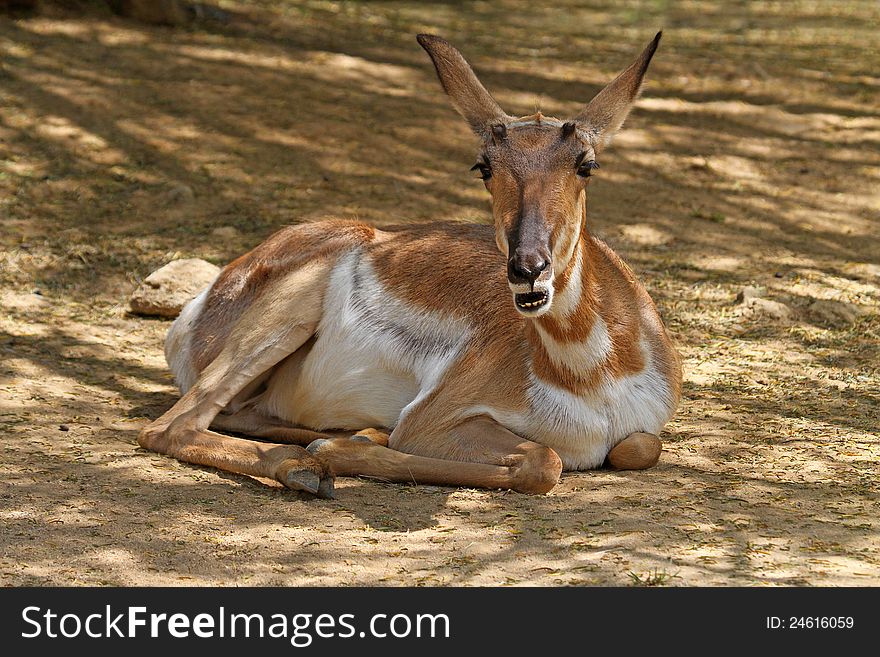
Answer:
(638, 451)
(182, 433)
(478, 453)
(253, 423)
(263, 337)
(291, 465)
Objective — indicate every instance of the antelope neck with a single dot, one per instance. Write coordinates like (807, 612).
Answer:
(570, 343)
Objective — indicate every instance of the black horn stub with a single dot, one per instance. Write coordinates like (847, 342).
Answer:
(568, 129)
(499, 132)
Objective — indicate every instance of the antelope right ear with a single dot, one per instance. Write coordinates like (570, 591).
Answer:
(603, 116)
(468, 95)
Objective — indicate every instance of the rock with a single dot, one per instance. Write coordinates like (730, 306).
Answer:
(226, 232)
(768, 308)
(167, 290)
(750, 292)
(180, 194)
(752, 304)
(834, 314)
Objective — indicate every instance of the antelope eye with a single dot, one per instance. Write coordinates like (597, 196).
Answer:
(584, 168)
(484, 169)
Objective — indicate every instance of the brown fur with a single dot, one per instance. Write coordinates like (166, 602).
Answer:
(245, 279)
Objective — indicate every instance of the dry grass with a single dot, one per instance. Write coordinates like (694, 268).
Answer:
(754, 158)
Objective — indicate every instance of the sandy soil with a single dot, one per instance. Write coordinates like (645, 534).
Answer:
(753, 159)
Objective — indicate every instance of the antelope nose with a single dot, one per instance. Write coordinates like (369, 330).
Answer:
(526, 268)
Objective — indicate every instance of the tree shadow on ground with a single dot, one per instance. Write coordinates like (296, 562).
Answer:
(750, 155)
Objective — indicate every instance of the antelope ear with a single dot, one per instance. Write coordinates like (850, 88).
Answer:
(603, 116)
(468, 96)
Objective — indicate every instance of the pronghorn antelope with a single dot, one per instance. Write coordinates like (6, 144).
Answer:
(471, 368)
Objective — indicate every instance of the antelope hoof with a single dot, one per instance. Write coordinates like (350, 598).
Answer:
(637, 451)
(315, 445)
(302, 480)
(327, 489)
(308, 475)
(371, 435)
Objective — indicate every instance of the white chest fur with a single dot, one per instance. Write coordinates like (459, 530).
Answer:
(583, 428)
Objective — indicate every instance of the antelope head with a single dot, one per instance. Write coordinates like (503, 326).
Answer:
(536, 168)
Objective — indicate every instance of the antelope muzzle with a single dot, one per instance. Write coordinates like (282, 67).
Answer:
(530, 276)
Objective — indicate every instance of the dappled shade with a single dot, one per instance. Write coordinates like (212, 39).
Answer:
(753, 158)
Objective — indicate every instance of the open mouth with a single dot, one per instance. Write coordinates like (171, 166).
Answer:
(531, 300)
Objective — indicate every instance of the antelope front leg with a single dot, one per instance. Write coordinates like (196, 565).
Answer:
(637, 451)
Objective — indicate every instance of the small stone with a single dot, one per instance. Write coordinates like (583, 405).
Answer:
(750, 292)
(834, 314)
(180, 194)
(768, 308)
(752, 303)
(167, 290)
(63, 427)
(226, 232)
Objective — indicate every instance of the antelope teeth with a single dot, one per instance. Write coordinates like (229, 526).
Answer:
(532, 304)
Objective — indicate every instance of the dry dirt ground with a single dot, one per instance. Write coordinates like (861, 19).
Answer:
(752, 159)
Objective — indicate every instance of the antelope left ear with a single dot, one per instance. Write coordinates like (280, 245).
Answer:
(468, 95)
(603, 116)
